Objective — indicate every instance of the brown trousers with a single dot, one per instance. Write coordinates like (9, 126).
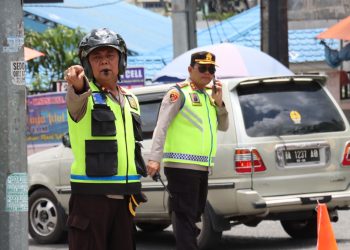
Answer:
(97, 222)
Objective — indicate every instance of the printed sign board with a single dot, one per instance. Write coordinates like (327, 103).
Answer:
(134, 76)
(47, 118)
(17, 192)
(60, 86)
(18, 72)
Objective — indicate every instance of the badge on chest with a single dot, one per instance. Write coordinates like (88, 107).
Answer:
(195, 99)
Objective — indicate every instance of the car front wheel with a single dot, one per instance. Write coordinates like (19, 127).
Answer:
(46, 218)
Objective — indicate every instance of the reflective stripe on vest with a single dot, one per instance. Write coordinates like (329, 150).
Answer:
(188, 157)
(192, 118)
(109, 178)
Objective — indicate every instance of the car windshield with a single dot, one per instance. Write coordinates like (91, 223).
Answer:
(293, 108)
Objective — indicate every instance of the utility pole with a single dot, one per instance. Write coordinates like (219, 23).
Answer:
(274, 29)
(184, 25)
(13, 151)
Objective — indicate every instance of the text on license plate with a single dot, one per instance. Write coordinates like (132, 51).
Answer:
(302, 155)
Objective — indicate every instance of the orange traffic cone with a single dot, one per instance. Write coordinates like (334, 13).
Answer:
(325, 235)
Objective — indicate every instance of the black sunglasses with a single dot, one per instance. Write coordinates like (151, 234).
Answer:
(205, 67)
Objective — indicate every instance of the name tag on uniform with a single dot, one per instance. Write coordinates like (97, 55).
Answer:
(195, 99)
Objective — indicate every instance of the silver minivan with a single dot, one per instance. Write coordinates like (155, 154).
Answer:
(287, 148)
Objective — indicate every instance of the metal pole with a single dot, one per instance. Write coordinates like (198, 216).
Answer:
(192, 20)
(278, 35)
(264, 23)
(13, 155)
(274, 29)
(184, 25)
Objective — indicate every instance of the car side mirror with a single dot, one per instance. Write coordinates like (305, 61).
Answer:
(65, 140)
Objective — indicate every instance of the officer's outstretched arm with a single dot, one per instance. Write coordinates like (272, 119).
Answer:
(75, 76)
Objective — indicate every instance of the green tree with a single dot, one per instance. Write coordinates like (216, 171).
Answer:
(59, 45)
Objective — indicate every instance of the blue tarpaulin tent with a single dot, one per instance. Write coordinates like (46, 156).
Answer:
(144, 31)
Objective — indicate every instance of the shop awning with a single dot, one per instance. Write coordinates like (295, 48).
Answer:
(31, 53)
(340, 30)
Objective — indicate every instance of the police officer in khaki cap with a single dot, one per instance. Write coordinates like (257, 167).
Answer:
(185, 139)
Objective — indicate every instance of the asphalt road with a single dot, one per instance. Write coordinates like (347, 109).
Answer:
(268, 235)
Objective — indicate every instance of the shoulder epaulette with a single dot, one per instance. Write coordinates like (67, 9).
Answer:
(123, 91)
(182, 84)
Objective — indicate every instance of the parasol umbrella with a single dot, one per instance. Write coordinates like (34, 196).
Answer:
(31, 53)
(232, 61)
(340, 30)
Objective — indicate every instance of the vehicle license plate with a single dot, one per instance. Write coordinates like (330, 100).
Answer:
(302, 155)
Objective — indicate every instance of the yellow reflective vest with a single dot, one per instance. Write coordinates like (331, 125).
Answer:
(191, 136)
(103, 145)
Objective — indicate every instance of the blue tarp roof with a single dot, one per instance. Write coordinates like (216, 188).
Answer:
(152, 64)
(150, 35)
(143, 31)
(244, 29)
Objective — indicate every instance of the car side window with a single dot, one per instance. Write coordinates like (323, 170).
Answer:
(149, 106)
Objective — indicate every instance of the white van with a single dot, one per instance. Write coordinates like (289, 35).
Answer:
(287, 148)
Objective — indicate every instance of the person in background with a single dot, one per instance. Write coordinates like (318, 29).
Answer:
(104, 127)
(185, 138)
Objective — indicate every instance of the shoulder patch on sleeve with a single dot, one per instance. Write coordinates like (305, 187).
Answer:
(174, 95)
(132, 102)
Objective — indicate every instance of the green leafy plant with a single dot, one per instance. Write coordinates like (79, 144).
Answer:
(59, 45)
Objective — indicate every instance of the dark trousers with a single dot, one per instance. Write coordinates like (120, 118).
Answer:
(189, 190)
(97, 222)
